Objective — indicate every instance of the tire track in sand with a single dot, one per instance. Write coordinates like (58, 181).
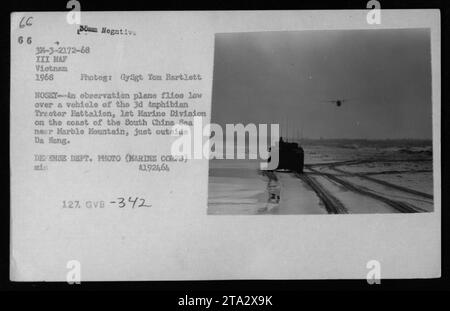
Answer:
(399, 205)
(332, 204)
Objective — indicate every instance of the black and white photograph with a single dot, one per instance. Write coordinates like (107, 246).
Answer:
(235, 149)
(355, 122)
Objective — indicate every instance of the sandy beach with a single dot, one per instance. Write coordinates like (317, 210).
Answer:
(339, 178)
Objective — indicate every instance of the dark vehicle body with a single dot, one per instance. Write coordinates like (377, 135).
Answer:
(291, 156)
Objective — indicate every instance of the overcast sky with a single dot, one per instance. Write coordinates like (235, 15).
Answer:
(271, 77)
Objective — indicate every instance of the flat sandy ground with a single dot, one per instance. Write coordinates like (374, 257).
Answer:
(338, 178)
